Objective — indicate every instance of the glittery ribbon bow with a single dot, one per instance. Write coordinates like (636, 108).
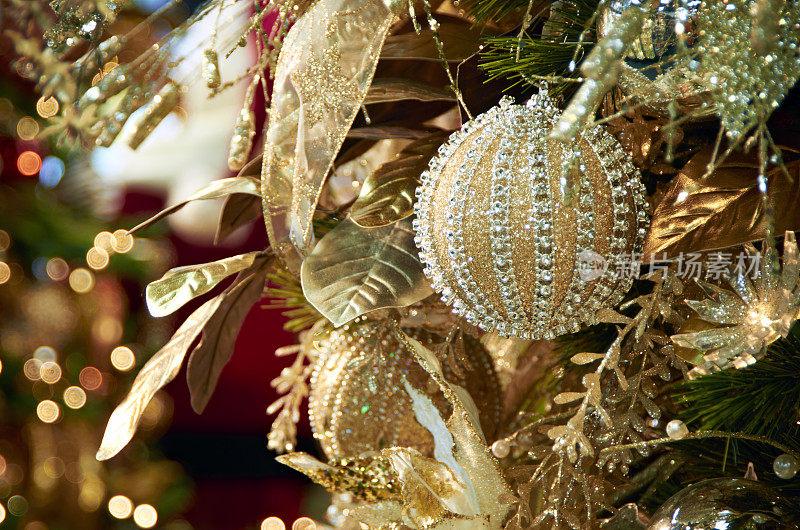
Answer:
(324, 69)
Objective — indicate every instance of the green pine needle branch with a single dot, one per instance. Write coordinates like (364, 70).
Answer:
(762, 399)
(285, 292)
(542, 55)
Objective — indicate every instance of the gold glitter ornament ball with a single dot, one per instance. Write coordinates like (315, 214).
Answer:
(508, 242)
(358, 401)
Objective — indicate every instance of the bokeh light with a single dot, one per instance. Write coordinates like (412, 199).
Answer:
(304, 523)
(6, 108)
(50, 372)
(81, 280)
(92, 493)
(2, 465)
(107, 329)
(51, 172)
(57, 269)
(32, 369)
(48, 411)
(122, 358)
(5, 241)
(123, 241)
(27, 128)
(90, 378)
(17, 505)
(145, 516)
(47, 107)
(5, 272)
(104, 240)
(29, 163)
(272, 523)
(53, 467)
(45, 354)
(120, 506)
(2, 513)
(74, 397)
(97, 258)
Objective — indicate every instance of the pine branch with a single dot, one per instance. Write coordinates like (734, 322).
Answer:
(494, 10)
(550, 54)
(762, 399)
(285, 292)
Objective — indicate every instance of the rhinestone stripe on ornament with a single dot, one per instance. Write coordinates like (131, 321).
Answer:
(540, 213)
(520, 157)
(473, 297)
(499, 232)
(566, 320)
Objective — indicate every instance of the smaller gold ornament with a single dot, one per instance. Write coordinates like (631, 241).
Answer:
(358, 401)
(521, 234)
(654, 72)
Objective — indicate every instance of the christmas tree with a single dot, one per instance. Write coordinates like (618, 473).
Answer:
(539, 256)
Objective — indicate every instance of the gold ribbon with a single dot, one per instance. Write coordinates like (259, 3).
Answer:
(324, 69)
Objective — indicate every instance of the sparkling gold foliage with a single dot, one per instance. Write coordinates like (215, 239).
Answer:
(723, 209)
(216, 190)
(157, 372)
(751, 316)
(182, 284)
(748, 86)
(571, 477)
(218, 319)
(292, 384)
(354, 270)
(387, 196)
(219, 336)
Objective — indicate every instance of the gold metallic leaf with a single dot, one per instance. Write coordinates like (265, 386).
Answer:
(215, 190)
(724, 210)
(460, 39)
(157, 372)
(238, 210)
(394, 89)
(389, 130)
(181, 284)
(219, 335)
(354, 270)
(387, 195)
